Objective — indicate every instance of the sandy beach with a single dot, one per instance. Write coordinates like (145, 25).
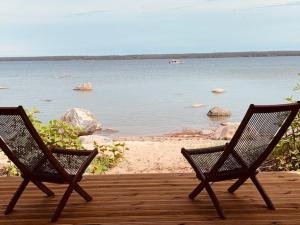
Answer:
(158, 155)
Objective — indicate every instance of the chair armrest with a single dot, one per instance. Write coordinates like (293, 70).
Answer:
(73, 151)
(203, 150)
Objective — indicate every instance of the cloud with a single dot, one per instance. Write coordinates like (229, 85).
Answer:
(88, 13)
(38, 12)
(277, 5)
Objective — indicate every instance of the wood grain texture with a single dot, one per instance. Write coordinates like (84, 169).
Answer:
(156, 199)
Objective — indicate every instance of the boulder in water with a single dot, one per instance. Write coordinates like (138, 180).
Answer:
(218, 112)
(82, 118)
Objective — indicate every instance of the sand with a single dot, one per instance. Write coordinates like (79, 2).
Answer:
(158, 156)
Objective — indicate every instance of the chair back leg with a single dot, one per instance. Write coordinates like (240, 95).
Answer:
(237, 184)
(262, 192)
(16, 196)
(43, 188)
(197, 190)
(82, 192)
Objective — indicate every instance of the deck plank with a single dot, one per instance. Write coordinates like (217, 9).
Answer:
(156, 199)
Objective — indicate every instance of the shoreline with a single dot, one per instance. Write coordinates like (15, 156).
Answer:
(157, 56)
(159, 155)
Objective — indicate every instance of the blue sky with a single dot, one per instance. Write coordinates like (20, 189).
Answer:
(102, 27)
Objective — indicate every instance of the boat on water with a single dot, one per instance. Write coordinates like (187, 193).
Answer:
(175, 61)
(84, 87)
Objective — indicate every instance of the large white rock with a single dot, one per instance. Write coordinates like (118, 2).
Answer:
(87, 141)
(82, 118)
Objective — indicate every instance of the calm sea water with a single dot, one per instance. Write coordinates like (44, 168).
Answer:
(149, 97)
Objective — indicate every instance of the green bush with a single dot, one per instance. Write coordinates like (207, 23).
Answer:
(286, 155)
(57, 133)
(10, 170)
(107, 158)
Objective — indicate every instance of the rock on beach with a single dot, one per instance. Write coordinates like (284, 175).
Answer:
(88, 141)
(224, 132)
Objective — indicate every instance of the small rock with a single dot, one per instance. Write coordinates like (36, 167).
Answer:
(217, 111)
(218, 90)
(88, 141)
(230, 123)
(224, 132)
(109, 130)
(82, 118)
(47, 100)
(84, 87)
(206, 132)
(198, 105)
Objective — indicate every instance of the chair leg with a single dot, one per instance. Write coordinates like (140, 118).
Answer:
(83, 193)
(197, 190)
(62, 202)
(237, 184)
(43, 188)
(16, 196)
(215, 201)
(262, 192)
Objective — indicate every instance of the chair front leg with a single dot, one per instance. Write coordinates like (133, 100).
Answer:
(63, 202)
(82, 193)
(16, 196)
(262, 192)
(215, 200)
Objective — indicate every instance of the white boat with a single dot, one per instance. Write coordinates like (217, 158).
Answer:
(175, 61)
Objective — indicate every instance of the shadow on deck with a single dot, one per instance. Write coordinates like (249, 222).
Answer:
(156, 199)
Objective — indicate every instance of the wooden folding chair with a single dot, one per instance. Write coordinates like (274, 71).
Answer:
(259, 132)
(24, 147)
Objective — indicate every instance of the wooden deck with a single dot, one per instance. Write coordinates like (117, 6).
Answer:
(157, 199)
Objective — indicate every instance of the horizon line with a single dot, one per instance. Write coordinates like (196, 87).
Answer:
(153, 56)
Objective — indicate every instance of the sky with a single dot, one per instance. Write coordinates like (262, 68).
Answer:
(121, 27)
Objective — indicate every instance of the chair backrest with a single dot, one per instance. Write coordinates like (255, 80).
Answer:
(20, 141)
(259, 132)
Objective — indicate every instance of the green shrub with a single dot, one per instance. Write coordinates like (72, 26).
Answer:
(286, 155)
(57, 133)
(107, 158)
(10, 170)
